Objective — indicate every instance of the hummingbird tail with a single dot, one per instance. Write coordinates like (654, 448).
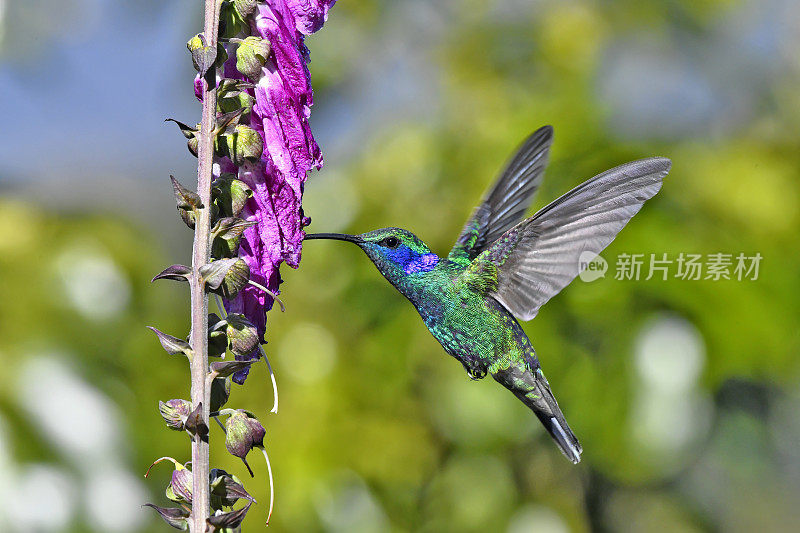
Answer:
(555, 423)
(538, 397)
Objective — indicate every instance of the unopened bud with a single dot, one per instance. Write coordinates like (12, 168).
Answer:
(180, 486)
(175, 412)
(244, 144)
(243, 433)
(241, 100)
(230, 195)
(226, 235)
(182, 483)
(205, 56)
(251, 55)
(242, 334)
(245, 7)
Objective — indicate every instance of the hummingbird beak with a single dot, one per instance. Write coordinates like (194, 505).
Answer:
(335, 236)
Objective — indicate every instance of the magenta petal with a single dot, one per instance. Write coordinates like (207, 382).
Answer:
(283, 99)
(310, 15)
(198, 87)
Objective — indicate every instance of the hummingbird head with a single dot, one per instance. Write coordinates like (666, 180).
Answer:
(397, 253)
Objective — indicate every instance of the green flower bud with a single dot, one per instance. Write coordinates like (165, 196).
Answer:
(182, 483)
(235, 280)
(251, 55)
(226, 234)
(244, 144)
(204, 56)
(175, 413)
(196, 43)
(245, 7)
(231, 95)
(230, 195)
(180, 486)
(188, 202)
(243, 433)
(242, 335)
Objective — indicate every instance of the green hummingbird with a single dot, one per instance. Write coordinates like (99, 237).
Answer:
(503, 268)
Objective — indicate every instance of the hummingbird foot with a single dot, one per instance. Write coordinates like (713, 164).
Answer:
(474, 369)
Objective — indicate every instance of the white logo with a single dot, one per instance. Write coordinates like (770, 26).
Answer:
(591, 266)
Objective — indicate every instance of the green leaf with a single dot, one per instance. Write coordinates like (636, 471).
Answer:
(217, 339)
(213, 273)
(231, 22)
(185, 198)
(174, 516)
(232, 519)
(227, 368)
(203, 55)
(226, 490)
(226, 277)
(227, 122)
(172, 345)
(188, 202)
(192, 134)
(195, 424)
(174, 272)
(220, 392)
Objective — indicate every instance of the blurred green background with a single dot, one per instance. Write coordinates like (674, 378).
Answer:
(685, 394)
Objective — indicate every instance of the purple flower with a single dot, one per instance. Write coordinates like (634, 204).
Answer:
(283, 99)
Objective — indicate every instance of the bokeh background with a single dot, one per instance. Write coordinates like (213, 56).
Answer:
(685, 394)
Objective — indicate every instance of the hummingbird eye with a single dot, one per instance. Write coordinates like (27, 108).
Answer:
(390, 242)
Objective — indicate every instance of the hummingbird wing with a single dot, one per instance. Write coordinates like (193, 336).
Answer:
(508, 199)
(538, 257)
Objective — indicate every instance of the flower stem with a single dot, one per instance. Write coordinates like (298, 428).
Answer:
(199, 298)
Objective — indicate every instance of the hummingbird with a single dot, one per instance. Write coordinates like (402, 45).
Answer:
(503, 268)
